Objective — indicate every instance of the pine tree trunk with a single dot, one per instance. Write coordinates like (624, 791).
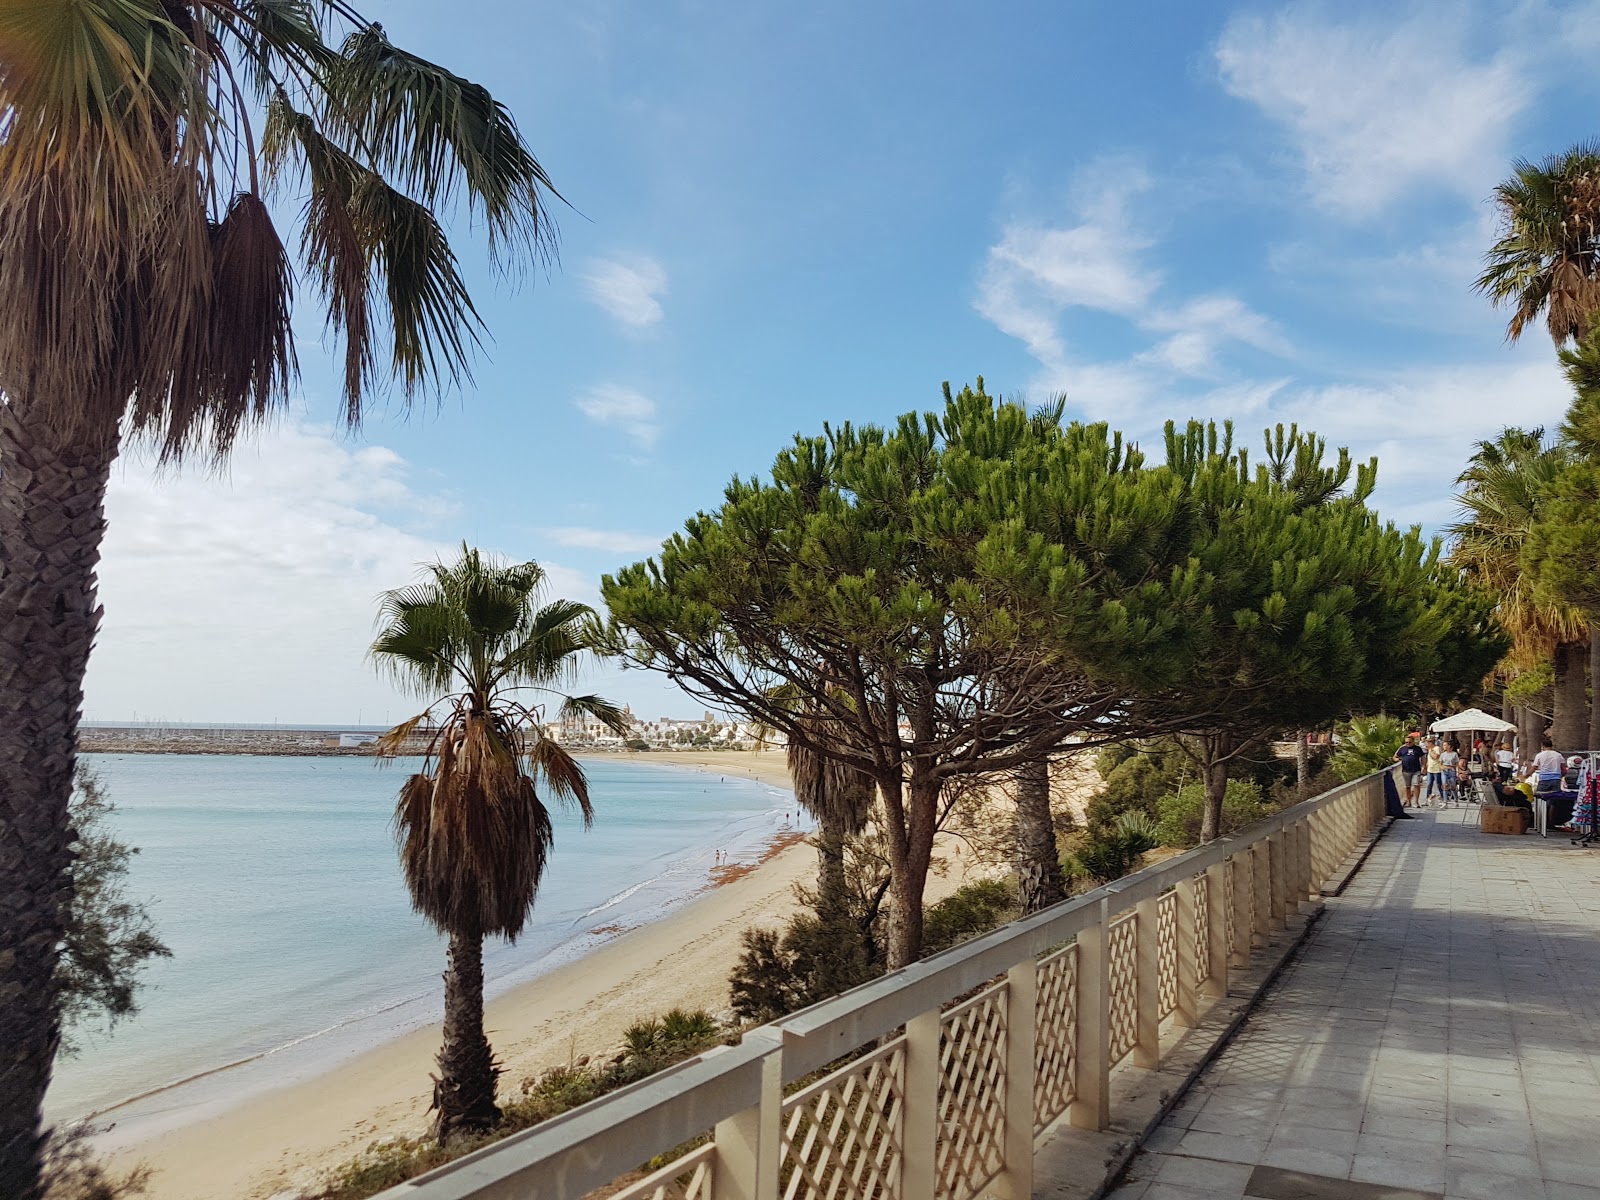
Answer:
(910, 853)
(1594, 684)
(463, 1091)
(1040, 882)
(1214, 771)
(52, 521)
(1570, 719)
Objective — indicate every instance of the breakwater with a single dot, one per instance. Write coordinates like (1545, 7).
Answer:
(189, 739)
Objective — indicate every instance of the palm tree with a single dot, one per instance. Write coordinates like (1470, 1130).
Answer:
(149, 289)
(1547, 259)
(1506, 482)
(474, 836)
(839, 798)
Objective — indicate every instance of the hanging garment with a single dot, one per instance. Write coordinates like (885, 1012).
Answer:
(1583, 813)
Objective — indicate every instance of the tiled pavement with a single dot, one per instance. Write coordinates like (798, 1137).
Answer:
(1438, 1036)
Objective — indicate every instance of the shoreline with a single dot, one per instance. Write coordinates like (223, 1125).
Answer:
(287, 1139)
(222, 1132)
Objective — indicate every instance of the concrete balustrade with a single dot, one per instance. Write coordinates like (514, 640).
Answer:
(942, 1098)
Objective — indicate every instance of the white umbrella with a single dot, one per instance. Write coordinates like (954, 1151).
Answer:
(1472, 721)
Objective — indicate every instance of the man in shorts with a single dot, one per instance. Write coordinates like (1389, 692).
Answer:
(1412, 759)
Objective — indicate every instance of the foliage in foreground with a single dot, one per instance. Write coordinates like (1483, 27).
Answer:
(71, 1172)
(109, 938)
(649, 1045)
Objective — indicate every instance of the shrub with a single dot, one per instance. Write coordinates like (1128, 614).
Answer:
(1136, 776)
(1366, 744)
(971, 909)
(809, 960)
(1181, 811)
(1114, 853)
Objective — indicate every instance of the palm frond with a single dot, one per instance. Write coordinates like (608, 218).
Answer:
(440, 134)
(562, 772)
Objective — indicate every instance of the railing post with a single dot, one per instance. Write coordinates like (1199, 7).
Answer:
(1091, 1105)
(1320, 871)
(1278, 883)
(1309, 884)
(1261, 894)
(1215, 983)
(1187, 1013)
(1022, 990)
(1242, 865)
(920, 1126)
(748, 1143)
(1147, 984)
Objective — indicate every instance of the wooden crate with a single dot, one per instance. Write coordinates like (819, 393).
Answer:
(1495, 818)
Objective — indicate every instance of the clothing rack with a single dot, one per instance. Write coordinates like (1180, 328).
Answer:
(1586, 810)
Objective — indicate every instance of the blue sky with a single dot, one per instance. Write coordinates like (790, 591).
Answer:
(784, 214)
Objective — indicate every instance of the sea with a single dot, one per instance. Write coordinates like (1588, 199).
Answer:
(275, 883)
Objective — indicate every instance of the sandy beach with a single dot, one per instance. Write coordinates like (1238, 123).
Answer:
(284, 1141)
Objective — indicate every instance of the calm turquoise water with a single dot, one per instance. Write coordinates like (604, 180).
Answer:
(275, 883)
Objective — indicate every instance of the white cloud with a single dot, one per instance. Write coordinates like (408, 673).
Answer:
(622, 408)
(612, 541)
(630, 289)
(250, 596)
(1375, 108)
(1037, 272)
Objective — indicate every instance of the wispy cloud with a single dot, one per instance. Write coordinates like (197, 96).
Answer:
(622, 408)
(630, 289)
(1376, 107)
(1039, 271)
(612, 541)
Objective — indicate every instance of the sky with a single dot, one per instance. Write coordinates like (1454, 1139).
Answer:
(780, 215)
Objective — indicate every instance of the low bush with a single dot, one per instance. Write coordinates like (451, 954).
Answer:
(1113, 853)
(71, 1172)
(1181, 811)
(780, 972)
(971, 909)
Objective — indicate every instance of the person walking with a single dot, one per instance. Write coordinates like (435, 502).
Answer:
(1412, 758)
(1505, 762)
(1435, 773)
(1449, 764)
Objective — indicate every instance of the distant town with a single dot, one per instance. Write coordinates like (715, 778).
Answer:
(710, 732)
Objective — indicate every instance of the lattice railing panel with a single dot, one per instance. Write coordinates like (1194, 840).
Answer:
(689, 1177)
(1122, 956)
(972, 1095)
(842, 1137)
(1202, 926)
(1167, 951)
(1055, 1033)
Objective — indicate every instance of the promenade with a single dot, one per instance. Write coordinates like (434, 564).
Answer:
(1437, 1036)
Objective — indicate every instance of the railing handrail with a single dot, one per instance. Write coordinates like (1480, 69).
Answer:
(671, 1106)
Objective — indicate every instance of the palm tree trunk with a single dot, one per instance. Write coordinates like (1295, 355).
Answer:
(1302, 762)
(1570, 720)
(833, 887)
(463, 1091)
(1594, 684)
(1040, 882)
(52, 520)
(1530, 725)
